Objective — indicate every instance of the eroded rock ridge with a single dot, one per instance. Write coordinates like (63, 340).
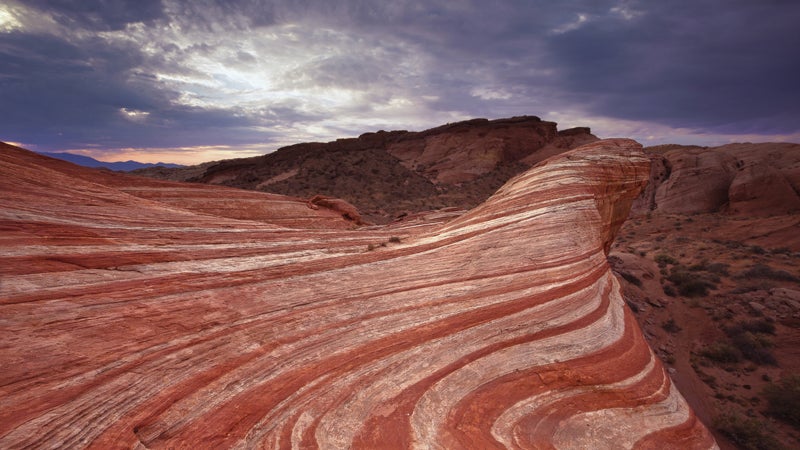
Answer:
(131, 319)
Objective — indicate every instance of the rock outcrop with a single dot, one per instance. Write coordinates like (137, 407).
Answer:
(463, 151)
(131, 322)
(388, 173)
(698, 182)
(747, 180)
(760, 189)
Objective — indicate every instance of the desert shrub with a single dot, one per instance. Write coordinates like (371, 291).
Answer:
(718, 268)
(669, 290)
(694, 288)
(752, 287)
(754, 347)
(765, 326)
(721, 352)
(394, 240)
(757, 250)
(689, 284)
(750, 339)
(662, 259)
(706, 378)
(670, 326)
(747, 433)
(632, 279)
(732, 244)
(698, 267)
(783, 400)
(765, 271)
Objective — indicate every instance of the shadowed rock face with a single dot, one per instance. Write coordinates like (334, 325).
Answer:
(388, 174)
(135, 323)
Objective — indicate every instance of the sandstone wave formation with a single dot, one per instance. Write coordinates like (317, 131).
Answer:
(145, 314)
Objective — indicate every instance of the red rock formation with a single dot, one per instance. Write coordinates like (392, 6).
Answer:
(759, 189)
(743, 179)
(698, 182)
(347, 211)
(385, 174)
(463, 151)
(128, 322)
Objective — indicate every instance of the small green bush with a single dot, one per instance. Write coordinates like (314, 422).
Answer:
(697, 267)
(632, 279)
(765, 326)
(754, 347)
(751, 340)
(689, 284)
(694, 288)
(733, 244)
(721, 352)
(718, 268)
(670, 326)
(783, 400)
(765, 271)
(747, 433)
(662, 259)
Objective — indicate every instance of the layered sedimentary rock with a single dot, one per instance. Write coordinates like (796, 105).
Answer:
(129, 322)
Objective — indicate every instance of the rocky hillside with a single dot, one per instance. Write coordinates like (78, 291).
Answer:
(387, 174)
(712, 246)
(131, 320)
(710, 263)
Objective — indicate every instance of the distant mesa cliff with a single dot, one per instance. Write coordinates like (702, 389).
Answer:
(122, 166)
(142, 314)
(388, 173)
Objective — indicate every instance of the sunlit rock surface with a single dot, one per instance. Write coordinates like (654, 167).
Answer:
(140, 316)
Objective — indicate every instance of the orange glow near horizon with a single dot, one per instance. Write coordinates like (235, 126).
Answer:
(179, 155)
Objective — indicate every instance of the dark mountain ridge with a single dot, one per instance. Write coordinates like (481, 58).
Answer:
(391, 173)
(119, 166)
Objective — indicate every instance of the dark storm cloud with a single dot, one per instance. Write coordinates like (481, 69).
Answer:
(69, 94)
(100, 15)
(115, 73)
(727, 66)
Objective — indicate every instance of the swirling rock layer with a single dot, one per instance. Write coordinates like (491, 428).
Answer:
(133, 322)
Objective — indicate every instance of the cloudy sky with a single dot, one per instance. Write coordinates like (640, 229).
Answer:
(188, 81)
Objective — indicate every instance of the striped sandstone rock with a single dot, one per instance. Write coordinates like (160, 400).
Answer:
(135, 315)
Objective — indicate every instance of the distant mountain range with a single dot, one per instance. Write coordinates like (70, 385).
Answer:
(122, 166)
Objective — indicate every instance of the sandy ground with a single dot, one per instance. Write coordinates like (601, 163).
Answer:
(736, 245)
